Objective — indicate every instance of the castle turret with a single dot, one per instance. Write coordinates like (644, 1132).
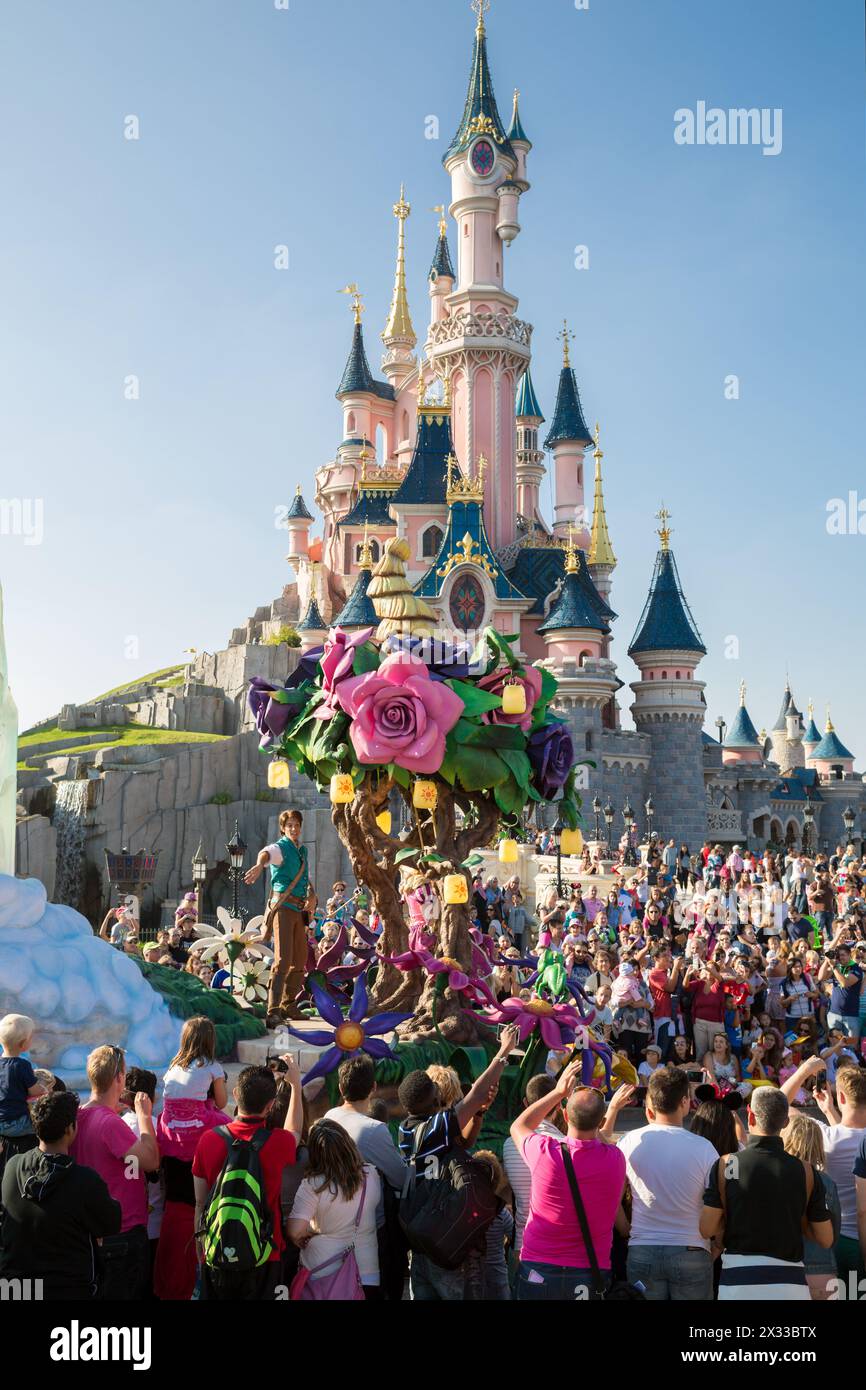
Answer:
(669, 702)
(399, 335)
(602, 560)
(312, 627)
(441, 275)
(530, 459)
(811, 736)
(299, 519)
(779, 731)
(574, 630)
(359, 611)
(520, 143)
(569, 439)
(419, 506)
(830, 758)
(742, 742)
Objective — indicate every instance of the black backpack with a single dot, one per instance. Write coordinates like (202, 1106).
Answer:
(238, 1225)
(445, 1216)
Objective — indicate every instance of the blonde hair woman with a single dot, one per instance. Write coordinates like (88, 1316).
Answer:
(447, 1083)
(803, 1138)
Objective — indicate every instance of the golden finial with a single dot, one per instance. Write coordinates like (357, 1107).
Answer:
(363, 456)
(443, 225)
(600, 547)
(828, 728)
(571, 560)
(399, 326)
(743, 693)
(566, 337)
(664, 516)
(480, 7)
(464, 489)
(810, 709)
(357, 302)
(298, 490)
(763, 735)
(365, 559)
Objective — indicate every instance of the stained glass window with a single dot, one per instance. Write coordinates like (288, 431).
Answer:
(467, 603)
(482, 158)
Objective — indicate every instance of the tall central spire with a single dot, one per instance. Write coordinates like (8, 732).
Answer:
(398, 329)
(601, 549)
(480, 114)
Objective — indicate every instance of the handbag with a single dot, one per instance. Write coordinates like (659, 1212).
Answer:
(343, 1285)
(619, 1290)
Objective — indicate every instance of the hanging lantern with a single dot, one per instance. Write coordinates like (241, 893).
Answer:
(572, 842)
(342, 789)
(424, 795)
(383, 820)
(456, 889)
(278, 773)
(514, 698)
(508, 851)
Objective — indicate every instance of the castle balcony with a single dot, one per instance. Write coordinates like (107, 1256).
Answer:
(467, 331)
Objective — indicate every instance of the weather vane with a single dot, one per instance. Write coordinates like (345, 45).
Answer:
(402, 209)
(440, 210)
(357, 302)
(480, 7)
(565, 337)
(664, 516)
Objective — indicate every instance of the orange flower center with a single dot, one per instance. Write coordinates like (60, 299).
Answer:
(451, 962)
(349, 1036)
(542, 1008)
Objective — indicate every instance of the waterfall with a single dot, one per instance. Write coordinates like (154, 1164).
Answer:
(69, 814)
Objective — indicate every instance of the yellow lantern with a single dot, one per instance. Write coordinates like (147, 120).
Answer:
(514, 698)
(342, 789)
(571, 842)
(278, 773)
(456, 889)
(424, 795)
(383, 820)
(508, 851)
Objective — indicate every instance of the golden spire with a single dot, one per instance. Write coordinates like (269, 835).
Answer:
(572, 564)
(357, 302)
(443, 225)
(810, 708)
(365, 559)
(399, 328)
(480, 7)
(566, 338)
(828, 728)
(463, 489)
(600, 547)
(664, 516)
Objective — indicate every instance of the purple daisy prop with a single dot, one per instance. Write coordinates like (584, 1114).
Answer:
(352, 1034)
(557, 1023)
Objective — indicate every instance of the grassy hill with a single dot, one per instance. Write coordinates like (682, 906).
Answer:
(115, 736)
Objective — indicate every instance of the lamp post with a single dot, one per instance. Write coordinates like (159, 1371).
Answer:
(849, 816)
(808, 820)
(596, 811)
(608, 814)
(628, 822)
(236, 852)
(199, 877)
(557, 830)
(649, 807)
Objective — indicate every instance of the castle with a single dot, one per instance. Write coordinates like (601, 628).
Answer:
(445, 450)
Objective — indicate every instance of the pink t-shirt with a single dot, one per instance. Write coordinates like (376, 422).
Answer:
(552, 1234)
(101, 1142)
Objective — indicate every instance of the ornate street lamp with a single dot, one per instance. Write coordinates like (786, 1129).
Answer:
(649, 807)
(556, 831)
(596, 810)
(199, 878)
(808, 821)
(608, 814)
(236, 852)
(628, 821)
(849, 815)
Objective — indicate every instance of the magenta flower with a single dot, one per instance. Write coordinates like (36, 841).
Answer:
(529, 678)
(399, 715)
(458, 981)
(336, 664)
(557, 1023)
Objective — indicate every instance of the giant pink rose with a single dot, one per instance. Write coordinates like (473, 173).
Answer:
(336, 663)
(399, 715)
(530, 679)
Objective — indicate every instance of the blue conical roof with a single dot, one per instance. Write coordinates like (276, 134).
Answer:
(573, 607)
(831, 748)
(480, 114)
(515, 130)
(527, 401)
(425, 477)
(666, 622)
(299, 508)
(781, 723)
(357, 376)
(442, 264)
(742, 733)
(312, 620)
(568, 421)
(358, 611)
(811, 734)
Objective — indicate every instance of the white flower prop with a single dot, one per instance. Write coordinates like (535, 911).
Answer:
(251, 985)
(232, 937)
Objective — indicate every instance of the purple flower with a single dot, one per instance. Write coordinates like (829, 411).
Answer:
(551, 754)
(352, 1034)
(306, 668)
(271, 715)
(445, 660)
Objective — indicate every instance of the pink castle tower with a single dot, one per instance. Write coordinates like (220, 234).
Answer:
(477, 341)
(569, 439)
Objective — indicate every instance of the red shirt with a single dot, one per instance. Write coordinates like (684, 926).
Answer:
(657, 979)
(278, 1153)
(708, 1007)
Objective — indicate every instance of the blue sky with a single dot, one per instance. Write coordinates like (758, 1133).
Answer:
(261, 126)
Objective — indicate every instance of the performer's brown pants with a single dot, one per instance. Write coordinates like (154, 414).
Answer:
(290, 957)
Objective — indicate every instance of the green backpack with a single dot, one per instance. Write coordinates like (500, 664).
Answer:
(238, 1225)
